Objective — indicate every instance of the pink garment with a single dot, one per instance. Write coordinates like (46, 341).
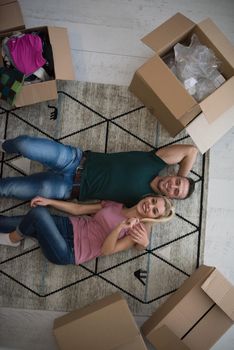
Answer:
(90, 232)
(26, 52)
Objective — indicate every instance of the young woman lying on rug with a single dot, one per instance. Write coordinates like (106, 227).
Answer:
(109, 228)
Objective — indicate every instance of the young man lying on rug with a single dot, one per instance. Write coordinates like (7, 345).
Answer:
(123, 177)
(76, 239)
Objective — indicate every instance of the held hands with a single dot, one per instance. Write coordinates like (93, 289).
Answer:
(40, 201)
(137, 231)
(129, 223)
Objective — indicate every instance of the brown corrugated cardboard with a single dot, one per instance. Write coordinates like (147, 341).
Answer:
(104, 325)
(169, 33)
(35, 93)
(208, 330)
(10, 16)
(205, 134)
(61, 53)
(198, 313)
(166, 339)
(165, 96)
(221, 291)
(58, 39)
(224, 95)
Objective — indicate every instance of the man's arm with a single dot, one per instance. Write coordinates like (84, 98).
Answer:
(183, 155)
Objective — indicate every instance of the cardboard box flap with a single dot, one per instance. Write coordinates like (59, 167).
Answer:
(196, 279)
(34, 93)
(100, 320)
(167, 88)
(86, 310)
(168, 33)
(219, 101)
(219, 289)
(135, 343)
(61, 53)
(205, 134)
(218, 39)
(164, 339)
(10, 16)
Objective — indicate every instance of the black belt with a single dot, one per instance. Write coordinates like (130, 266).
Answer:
(77, 178)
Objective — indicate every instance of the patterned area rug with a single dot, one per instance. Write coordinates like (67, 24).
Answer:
(105, 118)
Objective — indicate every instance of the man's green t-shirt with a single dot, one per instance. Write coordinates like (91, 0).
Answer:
(123, 177)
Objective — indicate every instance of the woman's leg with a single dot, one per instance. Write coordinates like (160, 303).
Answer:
(54, 234)
(7, 225)
(50, 153)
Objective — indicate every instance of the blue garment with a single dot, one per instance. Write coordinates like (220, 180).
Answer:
(54, 233)
(62, 161)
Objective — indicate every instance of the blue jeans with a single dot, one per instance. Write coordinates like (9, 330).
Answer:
(54, 233)
(62, 161)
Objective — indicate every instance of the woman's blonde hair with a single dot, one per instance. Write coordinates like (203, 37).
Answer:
(168, 213)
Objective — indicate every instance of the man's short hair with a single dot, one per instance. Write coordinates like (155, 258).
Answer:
(191, 187)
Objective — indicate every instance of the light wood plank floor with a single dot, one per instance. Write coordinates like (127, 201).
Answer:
(106, 48)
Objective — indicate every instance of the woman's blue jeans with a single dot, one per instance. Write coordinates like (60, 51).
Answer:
(54, 233)
(61, 160)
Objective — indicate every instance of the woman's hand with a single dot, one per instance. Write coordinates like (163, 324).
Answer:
(129, 223)
(40, 201)
(139, 234)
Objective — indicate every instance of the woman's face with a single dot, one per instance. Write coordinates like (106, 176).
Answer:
(151, 207)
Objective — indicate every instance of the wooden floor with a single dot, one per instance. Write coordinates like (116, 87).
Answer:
(106, 48)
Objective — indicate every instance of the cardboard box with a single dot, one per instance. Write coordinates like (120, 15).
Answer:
(10, 20)
(165, 96)
(10, 16)
(196, 315)
(105, 325)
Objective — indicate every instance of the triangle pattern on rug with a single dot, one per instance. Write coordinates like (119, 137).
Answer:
(98, 97)
(140, 123)
(164, 234)
(180, 254)
(21, 163)
(131, 283)
(162, 279)
(37, 275)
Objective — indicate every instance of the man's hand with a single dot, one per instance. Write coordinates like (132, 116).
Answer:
(40, 201)
(139, 235)
(183, 155)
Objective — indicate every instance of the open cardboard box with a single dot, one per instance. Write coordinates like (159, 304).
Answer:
(105, 325)
(196, 315)
(165, 96)
(11, 20)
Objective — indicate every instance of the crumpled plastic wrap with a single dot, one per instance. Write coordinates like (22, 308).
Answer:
(196, 66)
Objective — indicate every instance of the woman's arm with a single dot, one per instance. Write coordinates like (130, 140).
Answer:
(67, 207)
(112, 244)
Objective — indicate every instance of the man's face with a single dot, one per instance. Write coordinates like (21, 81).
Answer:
(176, 187)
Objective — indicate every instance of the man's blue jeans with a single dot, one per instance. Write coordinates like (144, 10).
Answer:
(61, 160)
(54, 233)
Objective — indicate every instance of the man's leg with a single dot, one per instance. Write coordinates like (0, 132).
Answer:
(50, 153)
(45, 184)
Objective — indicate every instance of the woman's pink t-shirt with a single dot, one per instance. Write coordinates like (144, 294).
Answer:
(90, 232)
